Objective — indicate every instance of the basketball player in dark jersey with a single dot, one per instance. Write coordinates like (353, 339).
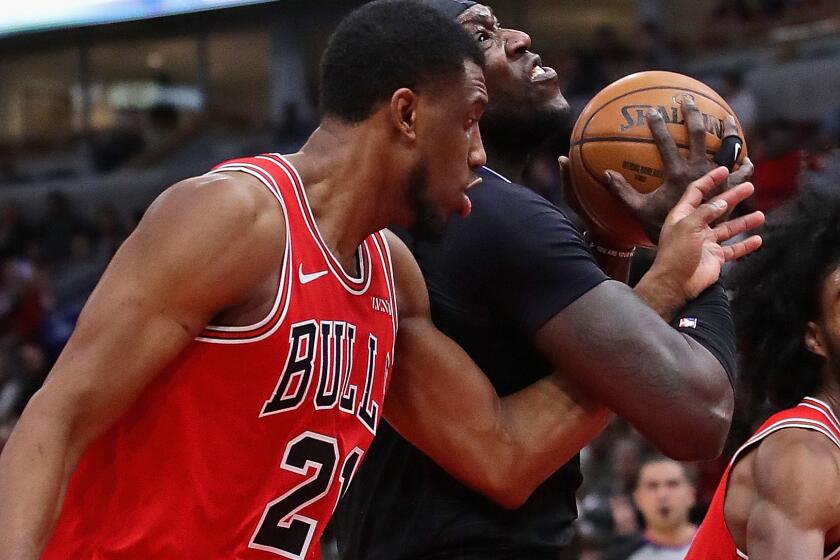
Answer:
(780, 496)
(227, 375)
(517, 286)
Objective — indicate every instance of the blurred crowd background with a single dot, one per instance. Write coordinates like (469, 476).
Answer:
(96, 120)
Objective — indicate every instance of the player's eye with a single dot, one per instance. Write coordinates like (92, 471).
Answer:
(483, 36)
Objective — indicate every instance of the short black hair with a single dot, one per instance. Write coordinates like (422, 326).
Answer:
(386, 45)
(777, 291)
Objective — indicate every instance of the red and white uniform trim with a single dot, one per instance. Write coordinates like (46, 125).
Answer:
(713, 540)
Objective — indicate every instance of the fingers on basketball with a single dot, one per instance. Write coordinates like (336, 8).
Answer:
(618, 186)
(666, 144)
(696, 130)
(743, 173)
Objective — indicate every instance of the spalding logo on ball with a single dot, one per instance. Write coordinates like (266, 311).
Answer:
(612, 133)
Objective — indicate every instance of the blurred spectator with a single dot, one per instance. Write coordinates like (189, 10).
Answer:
(33, 368)
(778, 159)
(609, 466)
(292, 127)
(651, 50)
(10, 391)
(15, 234)
(72, 282)
(605, 63)
(75, 278)
(9, 171)
(20, 301)
(664, 494)
(119, 145)
(110, 231)
(57, 229)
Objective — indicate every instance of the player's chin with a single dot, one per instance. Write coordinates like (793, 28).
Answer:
(553, 102)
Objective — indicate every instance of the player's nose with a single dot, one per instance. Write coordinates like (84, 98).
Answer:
(477, 156)
(517, 42)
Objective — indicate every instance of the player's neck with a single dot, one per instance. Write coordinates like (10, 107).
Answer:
(830, 390)
(677, 536)
(342, 175)
(506, 162)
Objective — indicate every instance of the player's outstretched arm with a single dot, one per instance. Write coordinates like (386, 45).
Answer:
(201, 247)
(618, 349)
(797, 486)
(444, 404)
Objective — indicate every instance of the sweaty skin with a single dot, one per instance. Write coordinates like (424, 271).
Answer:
(782, 500)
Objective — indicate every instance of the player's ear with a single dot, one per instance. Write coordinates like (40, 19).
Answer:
(815, 339)
(404, 112)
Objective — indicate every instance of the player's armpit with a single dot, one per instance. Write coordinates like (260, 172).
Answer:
(200, 248)
(797, 485)
(444, 404)
(619, 352)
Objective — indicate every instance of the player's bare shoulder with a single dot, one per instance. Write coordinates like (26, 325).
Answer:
(798, 471)
(229, 203)
(205, 244)
(230, 215)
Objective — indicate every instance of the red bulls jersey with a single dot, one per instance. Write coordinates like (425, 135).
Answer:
(713, 541)
(242, 447)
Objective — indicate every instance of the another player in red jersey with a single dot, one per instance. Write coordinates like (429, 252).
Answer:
(780, 496)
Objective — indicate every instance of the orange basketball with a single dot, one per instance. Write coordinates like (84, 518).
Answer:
(612, 133)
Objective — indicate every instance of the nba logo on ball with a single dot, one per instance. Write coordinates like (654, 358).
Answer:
(688, 323)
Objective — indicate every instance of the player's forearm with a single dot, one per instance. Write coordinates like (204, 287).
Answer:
(34, 468)
(623, 355)
(660, 295)
(697, 404)
(521, 441)
(503, 448)
(547, 427)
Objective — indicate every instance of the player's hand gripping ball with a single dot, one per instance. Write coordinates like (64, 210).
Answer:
(612, 133)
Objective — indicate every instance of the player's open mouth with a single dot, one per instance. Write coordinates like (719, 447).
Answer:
(542, 74)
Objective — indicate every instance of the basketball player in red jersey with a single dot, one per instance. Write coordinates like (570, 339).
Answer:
(780, 496)
(227, 375)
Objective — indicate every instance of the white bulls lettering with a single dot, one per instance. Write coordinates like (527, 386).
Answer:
(327, 348)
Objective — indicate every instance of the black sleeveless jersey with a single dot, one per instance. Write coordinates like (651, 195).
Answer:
(494, 279)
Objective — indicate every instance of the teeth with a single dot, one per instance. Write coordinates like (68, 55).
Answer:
(537, 71)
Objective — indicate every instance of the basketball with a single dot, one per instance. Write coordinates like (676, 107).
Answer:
(612, 134)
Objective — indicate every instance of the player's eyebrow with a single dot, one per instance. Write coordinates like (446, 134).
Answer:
(484, 19)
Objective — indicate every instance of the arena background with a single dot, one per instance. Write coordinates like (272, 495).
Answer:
(97, 118)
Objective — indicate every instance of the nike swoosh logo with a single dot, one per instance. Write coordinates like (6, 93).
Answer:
(737, 150)
(307, 278)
